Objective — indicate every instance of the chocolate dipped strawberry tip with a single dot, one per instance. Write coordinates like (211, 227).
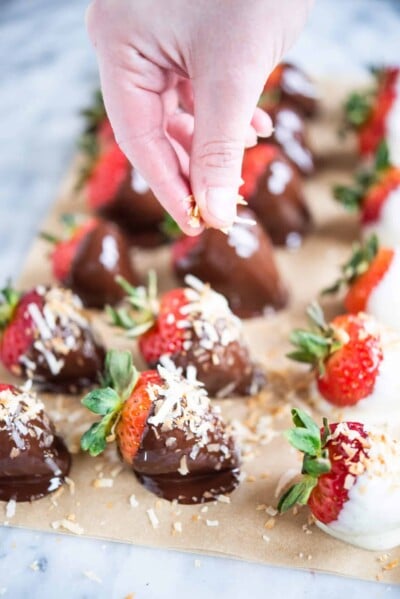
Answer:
(362, 256)
(307, 438)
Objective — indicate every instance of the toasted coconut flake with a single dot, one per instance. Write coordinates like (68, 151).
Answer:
(177, 527)
(68, 526)
(212, 522)
(266, 538)
(133, 502)
(92, 576)
(103, 483)
(154, 521)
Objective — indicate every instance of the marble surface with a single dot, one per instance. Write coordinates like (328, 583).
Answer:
(47, 74)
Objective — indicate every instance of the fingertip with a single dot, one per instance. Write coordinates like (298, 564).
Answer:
(262, 123)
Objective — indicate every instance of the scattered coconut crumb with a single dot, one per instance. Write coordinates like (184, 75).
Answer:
(68, 525)
(103, 483)
(177, 527)
(271, 511)
(391, 565)
(270, 523)
(133, 502)
(204, 509)
(261, 507)
(71, 485)
(266, 538)
(197, 563)
(92, 576)
(152, 517)
(115, 471)
(34, 565)
(223, 499)
(11, 508)
(212, 522)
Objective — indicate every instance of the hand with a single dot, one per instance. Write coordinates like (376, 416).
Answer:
(181, 80)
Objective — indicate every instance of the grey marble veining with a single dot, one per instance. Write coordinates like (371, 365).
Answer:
(47, 72)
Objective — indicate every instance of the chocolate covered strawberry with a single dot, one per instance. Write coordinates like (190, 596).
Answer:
(165, 429)
(33, 459)
(288, 82)
(376, 195)
(355, 360)
(239, 264)
(375, 114)
(88, 257)
(273, 189)
(46, 336)
(116, 190)
(372, 276)
(289, 133)
(351, 481)
(193, 326)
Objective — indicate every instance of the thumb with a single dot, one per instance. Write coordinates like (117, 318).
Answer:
(223, 112)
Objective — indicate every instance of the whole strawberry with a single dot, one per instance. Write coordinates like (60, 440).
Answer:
(165, 429)
(372, 276)
(376, 195)
(374, 114)
(288, 82)
(88, 257)
(239, 264)
(46, 336)
(116, 190)
(354, 360)
(193, 326)
(273, 189)
(34, 461)
(351, 481)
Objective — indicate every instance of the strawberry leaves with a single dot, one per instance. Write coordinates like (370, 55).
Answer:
(307, 438)
(359, 262)
(119, 381)
(142, 307)
(313, 346)
(357, 108)
(9, 299)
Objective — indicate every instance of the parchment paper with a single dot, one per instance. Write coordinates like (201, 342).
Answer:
(245, 528)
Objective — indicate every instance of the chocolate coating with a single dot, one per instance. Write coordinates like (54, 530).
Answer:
(102, 255)
(33, 460)
(297, 87)
(136, 211)
(240, 266)
(226, 370)
(279, 203)
(210, 473)
(289, 134)
(81, 366)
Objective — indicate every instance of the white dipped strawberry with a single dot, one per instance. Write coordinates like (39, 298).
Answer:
(376, 196)
(372, 276)
(351, 481)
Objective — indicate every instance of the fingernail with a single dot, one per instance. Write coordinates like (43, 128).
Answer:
(221, 203)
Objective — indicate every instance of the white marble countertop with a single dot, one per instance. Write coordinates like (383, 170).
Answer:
(47, 74)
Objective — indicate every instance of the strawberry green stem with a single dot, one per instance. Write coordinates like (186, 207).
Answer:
(307, 438)
(9, 299)
(120, 378)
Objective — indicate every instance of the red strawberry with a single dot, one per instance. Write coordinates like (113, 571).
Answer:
(255, 162)
(368, 112)
(17, 329)
(239, 264)
(376, 194)
(5, 387)
(346, 355)
(163, 424)
(65, 250)
(364, 274)
(45, 335)
(349, 472)
(192, 326)
(289, 82)
(89, 257)
(107, 175)
(273, 189)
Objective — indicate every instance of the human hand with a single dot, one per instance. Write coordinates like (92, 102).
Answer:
(209, 57)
